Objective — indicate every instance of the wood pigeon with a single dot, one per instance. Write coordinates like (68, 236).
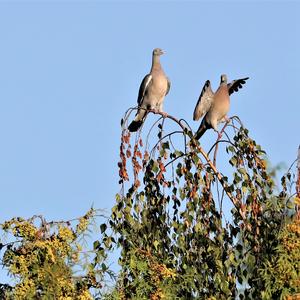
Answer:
(215, 106)
(153, 89)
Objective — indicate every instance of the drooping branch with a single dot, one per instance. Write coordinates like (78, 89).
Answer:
(219, 176)
(186, 130)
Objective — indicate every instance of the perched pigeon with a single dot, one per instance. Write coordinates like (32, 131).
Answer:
(215, 106)
(153, 89)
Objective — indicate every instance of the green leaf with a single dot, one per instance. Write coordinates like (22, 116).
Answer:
(96, 245)
(155, 167)
(166, 145)
(231, 148)
(244, 189)
(103, 227)
(104, 267)
(177, 153)
(233, 161)
(290, 205)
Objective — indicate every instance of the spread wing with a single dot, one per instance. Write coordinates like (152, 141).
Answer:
(235, 85)
(168, 87)
(143, 88)
(204, 102)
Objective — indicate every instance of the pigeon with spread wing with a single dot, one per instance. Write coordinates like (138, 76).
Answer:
(153, 89)
(215, 106)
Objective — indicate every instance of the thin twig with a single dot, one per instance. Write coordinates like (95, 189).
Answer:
(217, 142)
(148, 135)
(174, 159)
(219, 176)
(160, 140)
(217, 145)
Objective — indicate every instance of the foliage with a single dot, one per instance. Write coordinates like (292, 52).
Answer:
(42, 257)
(281, 273)
(173, 210)
(185, 228)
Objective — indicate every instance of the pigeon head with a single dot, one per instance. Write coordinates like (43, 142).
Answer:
(223, 78)
(158, 51)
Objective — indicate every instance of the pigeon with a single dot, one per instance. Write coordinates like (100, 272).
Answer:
(215, 106)
(153, 89)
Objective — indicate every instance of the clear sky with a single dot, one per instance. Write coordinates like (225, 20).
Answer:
(70, 69)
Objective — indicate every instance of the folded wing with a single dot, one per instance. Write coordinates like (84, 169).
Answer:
(143, 88)
(204, 102)
(169, 86)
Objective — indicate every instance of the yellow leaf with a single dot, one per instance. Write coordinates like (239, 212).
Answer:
(297, 200)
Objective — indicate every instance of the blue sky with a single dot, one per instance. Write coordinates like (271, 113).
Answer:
(70, 69)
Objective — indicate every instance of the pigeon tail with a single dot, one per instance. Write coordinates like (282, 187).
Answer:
(202, 128)
(135, 125)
